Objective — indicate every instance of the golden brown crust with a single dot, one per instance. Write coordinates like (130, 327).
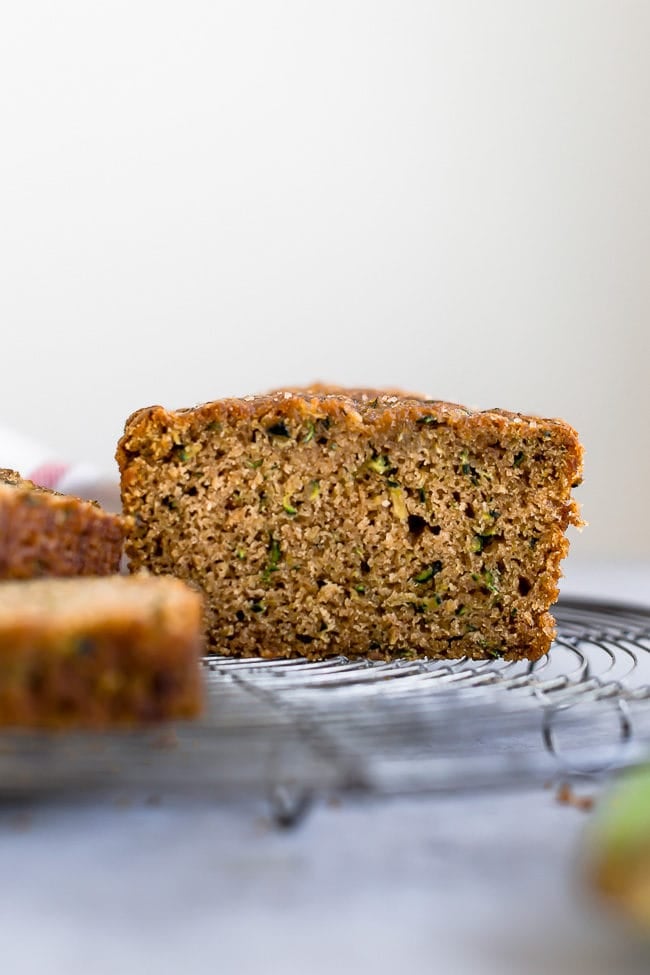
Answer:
(8, 476)
(98, 653)
(44, 533)
(389, 410)
(231, 474)
(362, 393)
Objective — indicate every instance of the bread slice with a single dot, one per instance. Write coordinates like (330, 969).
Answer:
(363, 524)
(98, 653)
(43, 533)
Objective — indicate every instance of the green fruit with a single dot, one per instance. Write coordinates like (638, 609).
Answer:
(617, 850)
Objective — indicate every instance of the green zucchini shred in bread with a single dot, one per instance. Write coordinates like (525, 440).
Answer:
(44, 533)
(356, 522)
(99, 653)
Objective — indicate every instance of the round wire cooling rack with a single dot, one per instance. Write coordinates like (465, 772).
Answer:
(291, 729)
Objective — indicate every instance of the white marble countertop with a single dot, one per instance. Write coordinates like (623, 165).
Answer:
(484, 883)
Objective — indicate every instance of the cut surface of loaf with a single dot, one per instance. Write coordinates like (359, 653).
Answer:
(44, 533)
(319, 523)
(98, 653)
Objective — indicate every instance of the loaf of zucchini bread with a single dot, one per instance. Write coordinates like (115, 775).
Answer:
(359, 522)
(43, 533)
(98, 653)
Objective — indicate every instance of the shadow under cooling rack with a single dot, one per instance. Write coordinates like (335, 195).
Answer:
(290, 729)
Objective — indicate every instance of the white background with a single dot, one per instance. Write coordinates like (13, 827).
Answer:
(200, 199)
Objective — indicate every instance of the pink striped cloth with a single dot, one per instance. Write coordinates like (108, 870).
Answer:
(34, 461)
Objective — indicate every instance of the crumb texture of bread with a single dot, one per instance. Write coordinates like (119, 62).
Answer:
(367, 524)
(99, 653)
(44, 533)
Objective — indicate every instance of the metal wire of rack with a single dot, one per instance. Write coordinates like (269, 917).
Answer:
(290, 729)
